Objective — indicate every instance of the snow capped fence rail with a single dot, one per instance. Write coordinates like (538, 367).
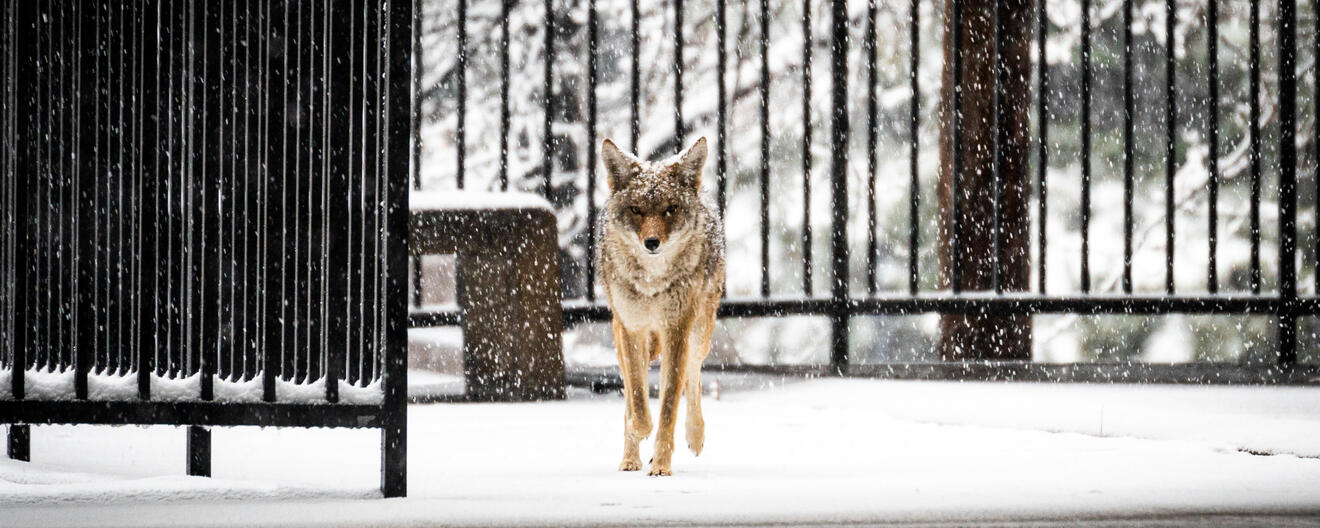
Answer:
(205, 216)
(1022, 87)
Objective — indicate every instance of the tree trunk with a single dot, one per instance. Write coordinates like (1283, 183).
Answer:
(987, 336)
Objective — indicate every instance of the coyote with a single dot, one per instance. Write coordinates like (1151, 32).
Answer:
(662, 267)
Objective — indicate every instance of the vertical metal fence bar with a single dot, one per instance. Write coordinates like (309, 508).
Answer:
(10, 186)
(85, 181)
(1253, 137)
(49, 187)
(273, 262)
(7, 125)
(592, 35)
(997, 147)
(121, 215)
(1287, 35)
(807, 45)
(193, 199)
(64, 160)
(173, 244)
(460, 79)
(212, 180)
(381, 171)
(149, 228)
(914, 108)
(955, 149)
(385, 288)
(872, 148)
(313, 249)
(25, 170)
(1315, 141)
(679, 127)
(1127, 146)
(43, 189)
(254, 169)
(1086, 147)
(7, 176)
(312, 191)
(415, 124)
(340, 77)
(230, 349)
(60, 146)
(200, 176)
(50, 113)
(1212, 140)
(291, 189)
(839, 319)
(353, 176)
(722, 113)
(765, 147)
(176, 192)
(330, 195)
(1042, 144)
(504, 91)
(548, 102)
(635, 80)
(1170, 135)
(132, 32)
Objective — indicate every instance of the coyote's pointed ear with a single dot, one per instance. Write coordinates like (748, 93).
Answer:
(619, 166)
(691, 162)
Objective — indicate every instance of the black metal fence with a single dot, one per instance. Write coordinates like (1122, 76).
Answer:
(839, 304)
(205, 216)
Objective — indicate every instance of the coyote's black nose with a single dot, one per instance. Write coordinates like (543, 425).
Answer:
(652, 243)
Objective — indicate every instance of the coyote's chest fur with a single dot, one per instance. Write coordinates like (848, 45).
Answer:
(647, 290)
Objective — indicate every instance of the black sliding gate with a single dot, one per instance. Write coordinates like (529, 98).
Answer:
(205, 216)
(845, 121)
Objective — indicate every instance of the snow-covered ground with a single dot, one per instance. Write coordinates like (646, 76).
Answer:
(822, 450)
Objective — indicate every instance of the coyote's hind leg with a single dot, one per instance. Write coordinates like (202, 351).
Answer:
(698, 350)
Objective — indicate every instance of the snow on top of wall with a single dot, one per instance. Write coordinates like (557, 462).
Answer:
(471, 200)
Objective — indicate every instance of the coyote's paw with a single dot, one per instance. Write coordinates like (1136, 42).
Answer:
(660, 471)
(696, 437)
(632, 464)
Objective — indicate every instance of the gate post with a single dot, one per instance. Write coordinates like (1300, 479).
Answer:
(394, 418)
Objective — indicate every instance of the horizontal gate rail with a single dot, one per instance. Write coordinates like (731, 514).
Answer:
(972, 303)
(192, 412)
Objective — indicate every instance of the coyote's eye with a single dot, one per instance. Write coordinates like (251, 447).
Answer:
(635, 210)
(671, 210)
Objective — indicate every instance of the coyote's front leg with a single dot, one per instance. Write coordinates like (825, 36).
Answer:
(673, 368)
(630, 348)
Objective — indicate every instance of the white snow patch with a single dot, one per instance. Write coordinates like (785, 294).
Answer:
(47, 385)
(474, 200)
(825, 450)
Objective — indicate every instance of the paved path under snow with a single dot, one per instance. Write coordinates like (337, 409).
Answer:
(817, 452)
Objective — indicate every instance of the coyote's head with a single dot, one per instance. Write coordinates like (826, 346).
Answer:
(651, 203)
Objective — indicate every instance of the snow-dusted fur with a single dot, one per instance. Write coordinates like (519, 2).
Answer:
(662, 267)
